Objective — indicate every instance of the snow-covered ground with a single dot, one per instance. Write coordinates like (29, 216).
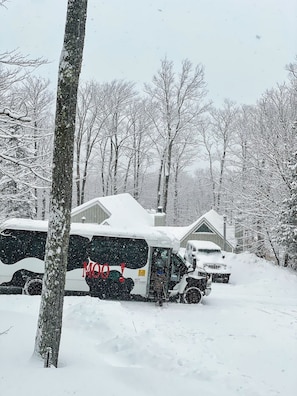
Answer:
(241, 340)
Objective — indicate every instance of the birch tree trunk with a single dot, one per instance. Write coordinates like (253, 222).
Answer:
(51, 308)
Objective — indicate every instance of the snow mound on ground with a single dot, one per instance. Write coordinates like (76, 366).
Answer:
(247, 268)
(130, 341)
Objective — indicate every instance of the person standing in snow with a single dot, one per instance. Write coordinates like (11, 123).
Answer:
(159, 278)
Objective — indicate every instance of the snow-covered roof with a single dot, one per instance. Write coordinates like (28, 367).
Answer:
(178, 232)
(153, 236)
(217, 221)
(204, 245)
(24, 224)
(213, 220)
(123, 210)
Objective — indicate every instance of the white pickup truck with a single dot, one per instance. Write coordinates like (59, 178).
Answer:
(209, 256)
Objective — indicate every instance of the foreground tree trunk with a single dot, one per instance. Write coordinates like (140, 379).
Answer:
(51, 308)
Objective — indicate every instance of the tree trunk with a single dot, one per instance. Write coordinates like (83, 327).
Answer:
(160, 182)
(175, 197)
(43, 206)
(168, 167)
(77, 180)
(52, 298)
(220, 186)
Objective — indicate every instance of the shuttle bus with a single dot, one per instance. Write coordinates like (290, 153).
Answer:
(102, 262)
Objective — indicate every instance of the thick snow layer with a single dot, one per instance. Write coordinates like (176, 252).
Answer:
(205, 245)
(124, 210)
(241, 340)
(153, 235)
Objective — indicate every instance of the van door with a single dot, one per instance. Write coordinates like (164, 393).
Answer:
(189, 253)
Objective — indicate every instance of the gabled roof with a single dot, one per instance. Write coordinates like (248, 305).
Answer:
(123, 210)
(216, 221)
(213, 220)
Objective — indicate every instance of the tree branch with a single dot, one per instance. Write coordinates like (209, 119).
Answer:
(5, 331)
(14, 116)
(15, 58)
(2, 3)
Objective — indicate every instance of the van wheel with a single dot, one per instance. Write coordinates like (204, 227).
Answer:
(33, 287)
(192, 295)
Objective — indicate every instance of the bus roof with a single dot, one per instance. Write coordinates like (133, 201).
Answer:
(153, 236)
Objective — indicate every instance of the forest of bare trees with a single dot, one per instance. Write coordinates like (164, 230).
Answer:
(166, 144)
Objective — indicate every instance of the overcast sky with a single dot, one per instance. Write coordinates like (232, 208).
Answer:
(243, 44)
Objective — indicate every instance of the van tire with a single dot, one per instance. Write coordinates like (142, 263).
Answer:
(33, 287)
(192, 295)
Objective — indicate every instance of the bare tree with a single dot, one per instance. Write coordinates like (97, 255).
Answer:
(119, 96)
(51, 308)
(223, 128)
(184, 153)
(16, 67)
(272, 143)
(177, 102)
(138, 147)
(18, 168)
(88, 131)
(39, 101)
(257, 183)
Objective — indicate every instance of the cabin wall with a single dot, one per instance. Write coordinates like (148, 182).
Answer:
(94, 214)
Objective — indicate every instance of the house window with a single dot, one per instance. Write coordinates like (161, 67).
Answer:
(204, 228)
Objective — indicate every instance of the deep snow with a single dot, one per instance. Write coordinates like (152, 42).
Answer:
(241, 340)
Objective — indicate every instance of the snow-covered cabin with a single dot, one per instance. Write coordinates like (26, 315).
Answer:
(123, 210)
(116, 210)
(209, 227)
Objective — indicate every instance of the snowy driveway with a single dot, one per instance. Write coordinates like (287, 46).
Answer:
(241, 340)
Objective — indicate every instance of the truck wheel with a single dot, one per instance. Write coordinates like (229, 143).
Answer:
(192, 295)
(33, 287)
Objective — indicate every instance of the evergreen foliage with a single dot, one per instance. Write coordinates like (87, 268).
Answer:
(287, 229)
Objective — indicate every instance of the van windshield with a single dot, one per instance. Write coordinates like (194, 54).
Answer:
(209, 251)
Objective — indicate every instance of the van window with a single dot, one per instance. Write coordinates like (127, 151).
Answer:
(16, 245)
(114, 251)
(209, 251)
